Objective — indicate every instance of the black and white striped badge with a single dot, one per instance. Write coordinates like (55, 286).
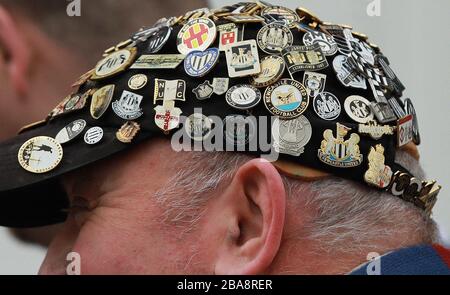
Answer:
(93, 136)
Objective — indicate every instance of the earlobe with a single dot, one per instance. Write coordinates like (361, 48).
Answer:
(256, 202)
(16, 49)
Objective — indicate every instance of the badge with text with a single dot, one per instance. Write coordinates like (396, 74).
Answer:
(101, 100)
(169, 90)
(358, 109)
(196, 34)
(158, 61)
(327, 44)
(243, 59)
(374, 130)
(128, 107)
(314, 83)
(280, 14)
(378, 174)
(291, 136)
(272, 69)
(304, 58)
(274, 38)
(327, 106)
(114, 63)
(338, 152)
(93, 136)
(243, 97)
(346, 74)
(40, 154)
(287, 99)
(137, 81)
(71, 131)
(200, 63)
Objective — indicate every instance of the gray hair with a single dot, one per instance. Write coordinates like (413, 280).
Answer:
(347, 216)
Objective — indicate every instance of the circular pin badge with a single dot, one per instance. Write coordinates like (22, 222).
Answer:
(326, 42)
(199, 63)
(280, 14)
(114, 63)
(243, 97)
(272, 69)
(93, 136)
(159, 38)
(196, 34)
(137, 82)
(327, 106)
(40, 154)
(71, 131)
(287, 99)
(274, 37)
(239, 130)
(198, 126)
(358, 109)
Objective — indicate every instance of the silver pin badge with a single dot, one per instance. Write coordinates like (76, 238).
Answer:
(220, 85)
(274, 37)
(71, 131)
(93, 136)
(198, 127)
(203, 91)
(314, 83)
(243, 97)
(327, 44)
(346, 74)
(358, 109)
(128, 106)
(291, 136)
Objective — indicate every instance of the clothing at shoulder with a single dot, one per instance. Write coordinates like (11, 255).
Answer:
(417, 260)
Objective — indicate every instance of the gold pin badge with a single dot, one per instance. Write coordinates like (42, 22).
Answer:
(114, 63)
(70, 104)
(40, 154)
(101, 100)
(374, 130)
(137, 81)
(272, 69)
(378, 174)
(128, 131)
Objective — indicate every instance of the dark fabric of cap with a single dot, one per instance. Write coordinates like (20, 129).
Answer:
(28, 199)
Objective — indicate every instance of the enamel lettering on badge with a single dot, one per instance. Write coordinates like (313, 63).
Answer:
(114, 63)
(40, 154)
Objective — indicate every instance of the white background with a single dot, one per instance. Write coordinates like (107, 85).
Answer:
(414, 35)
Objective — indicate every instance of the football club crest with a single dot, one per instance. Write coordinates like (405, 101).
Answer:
(243, 97)
(327, 44)
(71, 131)
(410, 110)
(167, 90)
(272, 69)
(378, 174)
(346, 74)
(196, 34)
(167, 116)
(158, 61)
(358, 109)
(158, 39)
(287, 99)
(199, 63)
(304, 58)
(220, 85)
(274, 37)
(93, 136)
(291, 136)
(327, 106)
(228, 35)
(338, 152)
(114, 63)
(198, 126)
(128, 107)
(280, 14)
(100, 101)
(243, 59)
(203, 91)
(314, 83)
(128, 131)
(40, 154)
(239, 130)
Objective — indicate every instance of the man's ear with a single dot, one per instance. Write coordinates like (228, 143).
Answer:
(15, 51)
(251, 217)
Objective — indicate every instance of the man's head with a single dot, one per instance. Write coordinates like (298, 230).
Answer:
(153, 210)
